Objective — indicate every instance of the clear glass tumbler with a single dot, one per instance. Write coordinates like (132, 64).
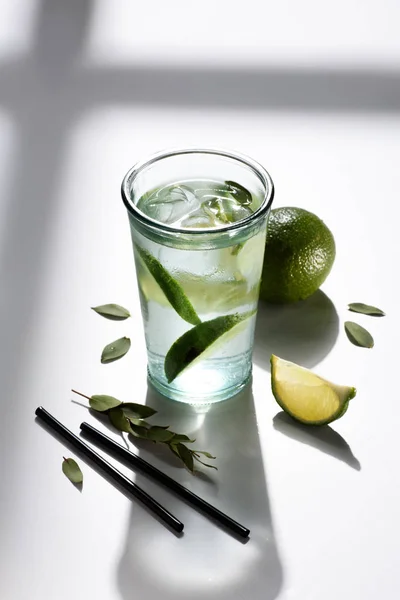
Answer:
(198, 280)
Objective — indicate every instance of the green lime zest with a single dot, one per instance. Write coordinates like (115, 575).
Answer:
(171, 288)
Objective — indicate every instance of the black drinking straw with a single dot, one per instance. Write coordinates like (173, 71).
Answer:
(118, 477)
(118, 451)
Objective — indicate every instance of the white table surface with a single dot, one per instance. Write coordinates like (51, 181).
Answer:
(312, 92)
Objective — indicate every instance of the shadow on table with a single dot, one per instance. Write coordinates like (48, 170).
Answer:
(47, 93)
(323, 438)
(303, 332)
(207, 561)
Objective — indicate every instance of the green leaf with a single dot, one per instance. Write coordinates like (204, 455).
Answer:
(205, 464)
(358, 335)
(195, 341)
(171, 288)
(180, 437)
(139, 431)
(207, 454)
(159, 434)
(115, 350)
(137, 411)
(174, 450)
(186, 455)
(72, 470)
(139, 422)
(119, 420)
(114, 312)
(101, 403)
(365, 309)
(240, 193)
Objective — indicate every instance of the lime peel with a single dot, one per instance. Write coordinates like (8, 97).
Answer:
(299, 253)
(193, 343)
(305, 396)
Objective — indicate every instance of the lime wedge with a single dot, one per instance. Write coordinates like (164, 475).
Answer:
(305, 396)
(195, 341)
(171, 288)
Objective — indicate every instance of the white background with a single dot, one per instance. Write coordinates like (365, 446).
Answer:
(312, 91)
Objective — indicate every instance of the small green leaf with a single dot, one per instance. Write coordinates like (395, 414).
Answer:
(240, 193)
(171, 288)
(119, 420)
(186, 455)
(205, 464)
(72, 470)
(180, 437)
(358, 335)
(173, 449)
(365, 309)
(207, 454)
(195, 341)
(139, 431)
(139, 422)
(115, 350)
(114, 312)
(159, 434)
(137, 411)
(101, 403)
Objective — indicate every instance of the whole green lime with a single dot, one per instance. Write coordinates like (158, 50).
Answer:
(299, 254)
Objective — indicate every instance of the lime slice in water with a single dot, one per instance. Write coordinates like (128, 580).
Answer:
(204, 291)
(171, 288)
(307, 397)
(196, 341)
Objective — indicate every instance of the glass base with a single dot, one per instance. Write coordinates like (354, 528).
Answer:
(204, 400)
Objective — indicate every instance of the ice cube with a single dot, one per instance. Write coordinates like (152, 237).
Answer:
(156, 206)
(195, 206)
(170, 204)
(198, 219)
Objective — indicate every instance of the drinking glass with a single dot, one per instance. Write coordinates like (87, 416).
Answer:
(198, 268)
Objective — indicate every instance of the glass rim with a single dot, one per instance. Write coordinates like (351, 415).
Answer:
(256, 167)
